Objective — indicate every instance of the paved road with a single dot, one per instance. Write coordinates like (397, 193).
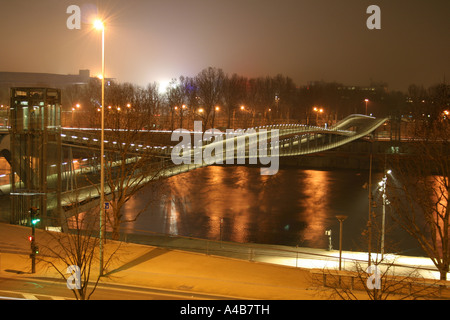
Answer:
(45, 289)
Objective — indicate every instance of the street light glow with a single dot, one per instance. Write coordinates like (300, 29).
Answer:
(98, 24)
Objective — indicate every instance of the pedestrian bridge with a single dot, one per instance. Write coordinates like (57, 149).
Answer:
(293, 140)
(283, 140)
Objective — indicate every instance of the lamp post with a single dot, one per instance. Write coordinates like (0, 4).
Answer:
(328, 233)
(383, 184)
(366, 100)
(98, 24)
(369, 221)
(341, 219)
(318, 110)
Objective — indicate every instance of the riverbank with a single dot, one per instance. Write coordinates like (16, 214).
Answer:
(155, 267)
(271, 274)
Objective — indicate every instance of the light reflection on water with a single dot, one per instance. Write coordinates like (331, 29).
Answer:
(293, 207)
(316, 205)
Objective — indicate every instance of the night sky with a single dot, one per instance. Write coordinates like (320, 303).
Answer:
(307, 40)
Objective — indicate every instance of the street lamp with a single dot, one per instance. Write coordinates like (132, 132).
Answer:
(98, 24)
(383, 185)
(330, 245)
(318, 110)
(366, 100)
(341, 219)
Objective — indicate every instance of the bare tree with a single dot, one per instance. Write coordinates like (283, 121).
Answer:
(177, 99)
(209, 84)
(74, 254)
(383, 279)
(234, 93)
(421, 189)
(130, 158)
(284, 93)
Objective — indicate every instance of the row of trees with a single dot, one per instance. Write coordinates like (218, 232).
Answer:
(275, 98)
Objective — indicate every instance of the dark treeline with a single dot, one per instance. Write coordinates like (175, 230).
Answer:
(213, 94)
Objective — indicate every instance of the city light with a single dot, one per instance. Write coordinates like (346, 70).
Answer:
(98, 24)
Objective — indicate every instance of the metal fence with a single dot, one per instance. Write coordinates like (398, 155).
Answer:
(275, 254)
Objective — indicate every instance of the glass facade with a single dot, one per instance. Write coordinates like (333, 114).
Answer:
(35, 118)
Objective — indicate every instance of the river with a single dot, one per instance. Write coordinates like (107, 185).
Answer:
(236, 203)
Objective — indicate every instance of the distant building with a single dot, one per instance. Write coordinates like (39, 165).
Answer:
(27, 79)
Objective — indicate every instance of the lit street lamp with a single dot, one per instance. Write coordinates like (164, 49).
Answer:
(317, 110)
(366, 100)
(330, 245)
(98, 24)
(383, 185)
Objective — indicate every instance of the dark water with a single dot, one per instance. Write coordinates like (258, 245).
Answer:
(293, 207)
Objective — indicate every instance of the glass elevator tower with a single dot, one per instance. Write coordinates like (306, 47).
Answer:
(35, 119)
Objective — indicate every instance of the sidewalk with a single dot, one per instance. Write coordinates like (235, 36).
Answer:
(268, 277)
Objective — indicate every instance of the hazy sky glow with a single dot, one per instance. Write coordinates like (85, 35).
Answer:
(307, 40)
